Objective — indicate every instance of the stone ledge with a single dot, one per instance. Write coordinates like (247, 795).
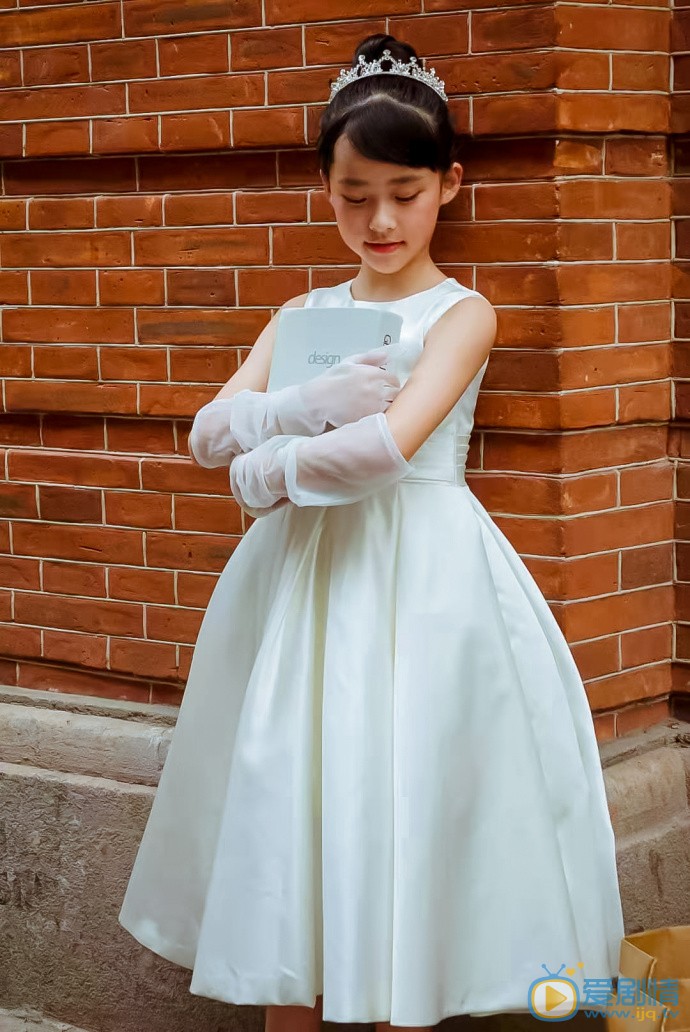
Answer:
(669, 732)
(72, 742)
(29, 1020)
(88, 704)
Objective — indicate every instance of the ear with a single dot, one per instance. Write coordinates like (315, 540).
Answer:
(451, 182)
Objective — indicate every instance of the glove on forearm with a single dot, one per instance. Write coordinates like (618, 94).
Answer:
(336, 468)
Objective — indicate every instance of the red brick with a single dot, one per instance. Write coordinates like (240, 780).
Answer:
(158, 17)
(59, 287)
(262, 127)
(498, 73)
(191, 93)
(131, 287)
(55, 65)
(57, 138)
(612, 28)
(14, 290)
(271, 286)
(266, 48)
(281, 11)
(123, 59)
(607, 112)
(247, 245)
(193, 55)
(636, 156)
(122, 135)
(642, 72)
(78, 649)
(143, 658)
(432, 36)
(276, 206)
(335, 42)
(641, 716)
(202, 287)
(63, 24)
(81, 101)
(208, 129)
(521, 29)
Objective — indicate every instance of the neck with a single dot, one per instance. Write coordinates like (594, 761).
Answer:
(373, 285)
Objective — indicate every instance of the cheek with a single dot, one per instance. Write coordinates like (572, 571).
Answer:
(348, 216)
(426, 212)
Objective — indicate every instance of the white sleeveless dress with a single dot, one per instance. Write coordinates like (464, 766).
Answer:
(384, 784)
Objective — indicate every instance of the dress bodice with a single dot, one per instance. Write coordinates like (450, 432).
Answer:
(443, 455)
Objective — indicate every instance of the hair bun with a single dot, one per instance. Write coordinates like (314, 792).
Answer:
(372, 48)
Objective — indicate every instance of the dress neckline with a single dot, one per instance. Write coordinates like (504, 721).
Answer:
(396, 300)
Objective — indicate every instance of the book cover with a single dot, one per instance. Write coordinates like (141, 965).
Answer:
(311, 340)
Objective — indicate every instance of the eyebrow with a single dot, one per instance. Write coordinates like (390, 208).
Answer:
(350, 181)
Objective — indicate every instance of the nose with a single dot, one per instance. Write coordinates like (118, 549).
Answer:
(383, 219)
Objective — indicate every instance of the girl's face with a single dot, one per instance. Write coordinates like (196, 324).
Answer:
(377, 202)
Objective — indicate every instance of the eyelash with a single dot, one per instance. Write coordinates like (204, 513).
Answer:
(404, 200)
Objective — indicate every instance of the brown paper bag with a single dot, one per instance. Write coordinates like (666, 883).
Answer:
(650, 958)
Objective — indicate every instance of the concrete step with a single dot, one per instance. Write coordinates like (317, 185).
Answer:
(28, 1020)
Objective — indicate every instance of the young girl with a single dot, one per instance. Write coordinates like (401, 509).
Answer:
(383, 800)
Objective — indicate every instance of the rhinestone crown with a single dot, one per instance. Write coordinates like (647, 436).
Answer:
(409, 68)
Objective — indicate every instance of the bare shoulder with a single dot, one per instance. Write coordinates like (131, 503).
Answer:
(470, 319)
(475, 306)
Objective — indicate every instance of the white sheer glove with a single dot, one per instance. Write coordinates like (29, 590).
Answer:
(358, 386)
(338, 467)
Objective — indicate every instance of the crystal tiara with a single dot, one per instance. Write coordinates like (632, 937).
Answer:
(409, 68)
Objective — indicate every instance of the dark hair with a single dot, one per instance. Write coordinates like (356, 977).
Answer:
(392, 118)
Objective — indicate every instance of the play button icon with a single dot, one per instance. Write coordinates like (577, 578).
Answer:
(553, 999)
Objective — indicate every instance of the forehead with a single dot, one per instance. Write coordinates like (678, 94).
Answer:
(350, 168)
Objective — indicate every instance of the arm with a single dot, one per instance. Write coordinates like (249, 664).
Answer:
(456, 347)
(353, 461)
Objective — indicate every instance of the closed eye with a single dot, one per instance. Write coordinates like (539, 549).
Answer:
(361, 200)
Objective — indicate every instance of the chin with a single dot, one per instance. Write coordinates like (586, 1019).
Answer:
(397, 259)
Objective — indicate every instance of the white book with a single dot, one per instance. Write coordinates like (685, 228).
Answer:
(311, 340)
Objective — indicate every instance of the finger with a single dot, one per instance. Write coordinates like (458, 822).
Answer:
(372, 357)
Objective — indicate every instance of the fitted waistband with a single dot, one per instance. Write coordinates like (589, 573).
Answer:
(441, 459)
(431, 476)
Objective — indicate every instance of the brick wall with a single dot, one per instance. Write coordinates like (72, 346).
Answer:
(160, 198)
(679, 443)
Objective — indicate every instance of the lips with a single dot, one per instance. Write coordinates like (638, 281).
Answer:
(384, 248)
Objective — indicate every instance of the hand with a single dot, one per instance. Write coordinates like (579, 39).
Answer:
(358, 386)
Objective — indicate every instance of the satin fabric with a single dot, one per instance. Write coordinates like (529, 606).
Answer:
(384, 784)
